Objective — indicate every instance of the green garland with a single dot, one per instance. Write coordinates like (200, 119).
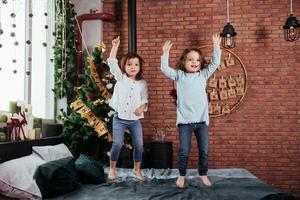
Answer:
(64, 50)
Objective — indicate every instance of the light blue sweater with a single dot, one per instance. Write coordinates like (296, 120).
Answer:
(192, 103)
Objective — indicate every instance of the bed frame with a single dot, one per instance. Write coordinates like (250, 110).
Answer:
(16, 149)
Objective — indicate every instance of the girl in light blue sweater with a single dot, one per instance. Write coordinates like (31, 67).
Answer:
(192, 104)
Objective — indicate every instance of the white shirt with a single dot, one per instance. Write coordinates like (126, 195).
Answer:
(128, 94)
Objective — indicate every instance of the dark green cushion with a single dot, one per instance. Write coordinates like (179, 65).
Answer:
(57, 177)
(89, 170)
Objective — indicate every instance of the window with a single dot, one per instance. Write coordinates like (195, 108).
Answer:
(27, 41)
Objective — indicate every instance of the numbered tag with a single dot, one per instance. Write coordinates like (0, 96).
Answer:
(222, 83)
(229, 61)
(231, 93)
(214, 95)
(226, 109)
(239, 90)
(213, 82)
(240, 80)
(231, 82)
(223, 94)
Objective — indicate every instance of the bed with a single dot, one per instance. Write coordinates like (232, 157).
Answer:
(228, 184)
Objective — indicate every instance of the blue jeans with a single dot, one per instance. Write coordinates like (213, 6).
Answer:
(185, 139)
(136, 132)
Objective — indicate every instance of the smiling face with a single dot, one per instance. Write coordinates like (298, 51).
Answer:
(192, 62)
(132, 67)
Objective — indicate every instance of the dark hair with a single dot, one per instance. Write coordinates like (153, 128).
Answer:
(128, 56)
(180, 63)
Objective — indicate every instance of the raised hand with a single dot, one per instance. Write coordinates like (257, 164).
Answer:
(115, 45)
(216, 39)
(166, 47)
(116, 41)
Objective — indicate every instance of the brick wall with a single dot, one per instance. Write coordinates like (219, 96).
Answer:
(262, 134)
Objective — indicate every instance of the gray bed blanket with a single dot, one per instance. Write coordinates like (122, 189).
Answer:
(228, 184)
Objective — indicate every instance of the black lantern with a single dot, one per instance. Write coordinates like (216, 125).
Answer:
(291, 27)
(228, 34)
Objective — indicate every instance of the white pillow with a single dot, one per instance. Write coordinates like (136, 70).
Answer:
(16, 177)
(53, 152)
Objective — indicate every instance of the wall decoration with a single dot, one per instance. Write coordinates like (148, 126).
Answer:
(227, 87)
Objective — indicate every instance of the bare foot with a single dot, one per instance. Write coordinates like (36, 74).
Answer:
(180, 182)
(205, 181)
(138, 175)
(111, 175)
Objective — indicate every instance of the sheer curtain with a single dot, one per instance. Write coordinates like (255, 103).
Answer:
(12, 85)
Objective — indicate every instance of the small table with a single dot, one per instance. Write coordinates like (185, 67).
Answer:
(158, 155)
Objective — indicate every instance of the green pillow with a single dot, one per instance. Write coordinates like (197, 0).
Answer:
(90, 171)
(57, 177)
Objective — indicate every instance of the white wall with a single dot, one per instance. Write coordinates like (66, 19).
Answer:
(92, 30)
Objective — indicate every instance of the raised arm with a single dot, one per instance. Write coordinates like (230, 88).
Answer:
(216, 39)
(168, 71)
(112, 60)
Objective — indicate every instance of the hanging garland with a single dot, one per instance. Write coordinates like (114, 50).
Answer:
(80, 107)
(64, 50)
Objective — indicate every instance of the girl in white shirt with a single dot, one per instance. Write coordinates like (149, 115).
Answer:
(129, 100)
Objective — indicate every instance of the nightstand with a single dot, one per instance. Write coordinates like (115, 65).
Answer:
(158, 155)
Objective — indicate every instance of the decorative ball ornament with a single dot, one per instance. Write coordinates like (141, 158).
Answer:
(16, 43)
(12, 34)
(4, 1)
(28, 73)
(14, 25)
(45, 14)
(28, 42)
(15, 71)
(12, 15)
(30, 15)
(44, 44)
(0, 45)
(29, 59)
(1, 31)
(14, 60)
(46, 26)
(0, 68)
(92, 123)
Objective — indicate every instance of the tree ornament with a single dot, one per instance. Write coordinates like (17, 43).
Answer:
(12, 15)
(1, 31)
(14, 25)
(4, 1)
(30, 15)
(14, 60)
(0, 45)
(29, 59)
(44, 44)
(16, 43)
(45, 14)
(28, 42)
(28, 73)
(0, 68)
(46, 26)
(12, 34)
(14, 71)
(92, 123)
